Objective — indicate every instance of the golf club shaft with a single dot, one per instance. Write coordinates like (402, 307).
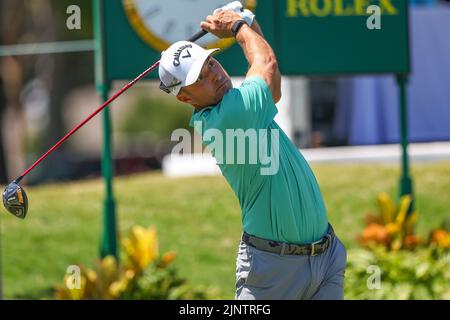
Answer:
(195, 37)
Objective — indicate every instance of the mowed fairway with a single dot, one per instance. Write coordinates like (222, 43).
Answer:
(198, 218)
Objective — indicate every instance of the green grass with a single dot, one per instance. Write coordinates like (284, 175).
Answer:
(198, 218)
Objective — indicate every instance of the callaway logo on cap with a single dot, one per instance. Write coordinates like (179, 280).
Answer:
(180, 65)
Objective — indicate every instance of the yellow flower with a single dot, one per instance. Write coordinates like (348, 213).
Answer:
(386, 206)
(89, 281)
(405, 203)
(91, 275)
(141, 246)
(109, 280)
(108, 268)
(396, 244)
(393, 228)
(129, 274)
(121, 285)
(107, 274)
(410, 222)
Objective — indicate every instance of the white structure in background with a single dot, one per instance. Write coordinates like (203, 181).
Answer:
(196, 164)
(177, 166)
(296, 100)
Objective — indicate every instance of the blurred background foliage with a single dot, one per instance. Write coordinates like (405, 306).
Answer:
(145, 274)
(161, 115)
(49, 94)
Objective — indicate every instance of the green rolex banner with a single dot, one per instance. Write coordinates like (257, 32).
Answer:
(337, 36)
(309, 36)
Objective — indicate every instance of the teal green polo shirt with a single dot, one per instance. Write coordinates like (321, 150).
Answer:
(277, 191)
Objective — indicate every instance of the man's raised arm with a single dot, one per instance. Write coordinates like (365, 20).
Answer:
(258, 52)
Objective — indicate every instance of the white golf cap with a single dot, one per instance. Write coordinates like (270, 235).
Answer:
(180, 65)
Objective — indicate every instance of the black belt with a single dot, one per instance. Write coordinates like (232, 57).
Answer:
(283, 248)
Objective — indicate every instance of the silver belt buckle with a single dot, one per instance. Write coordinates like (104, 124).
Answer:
(313, 253)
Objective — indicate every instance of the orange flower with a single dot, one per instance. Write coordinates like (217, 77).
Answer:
(412, 241)
(441, 238)
(168, 258)
(374, 232)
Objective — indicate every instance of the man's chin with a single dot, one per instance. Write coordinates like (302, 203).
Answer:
(226, 87)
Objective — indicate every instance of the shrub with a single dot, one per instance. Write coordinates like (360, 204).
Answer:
(159, 115)
(420, 274)
(408, 267)
(145, 274)
(393, 227)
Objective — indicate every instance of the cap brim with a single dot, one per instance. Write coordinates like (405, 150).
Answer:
(196, 68)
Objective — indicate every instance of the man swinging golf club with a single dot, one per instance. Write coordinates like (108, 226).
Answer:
(288, 248)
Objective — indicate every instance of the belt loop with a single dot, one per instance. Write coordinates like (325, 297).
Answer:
(329, 240)
(283, 248)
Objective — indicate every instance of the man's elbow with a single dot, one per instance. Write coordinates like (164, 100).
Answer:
(276, 96)
(276, 84)
(276, 79)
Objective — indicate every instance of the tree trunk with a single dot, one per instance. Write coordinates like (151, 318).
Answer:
(3, 174)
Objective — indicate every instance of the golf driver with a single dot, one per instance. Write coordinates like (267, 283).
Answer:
(14, 197)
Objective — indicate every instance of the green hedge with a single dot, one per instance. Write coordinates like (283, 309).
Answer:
(413, 275)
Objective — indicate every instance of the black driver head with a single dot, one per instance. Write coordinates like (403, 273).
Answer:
(15, 200)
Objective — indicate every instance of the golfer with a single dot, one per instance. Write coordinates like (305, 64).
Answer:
(288, 248)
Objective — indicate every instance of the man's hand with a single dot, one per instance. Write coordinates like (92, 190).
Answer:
(236, 6)
(220, 23)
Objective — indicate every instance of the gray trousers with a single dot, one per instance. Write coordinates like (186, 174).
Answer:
(262, 275)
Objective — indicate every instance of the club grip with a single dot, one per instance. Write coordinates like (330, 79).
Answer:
(197, 36)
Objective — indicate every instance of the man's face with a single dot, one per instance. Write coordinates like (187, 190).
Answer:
(209, 89)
